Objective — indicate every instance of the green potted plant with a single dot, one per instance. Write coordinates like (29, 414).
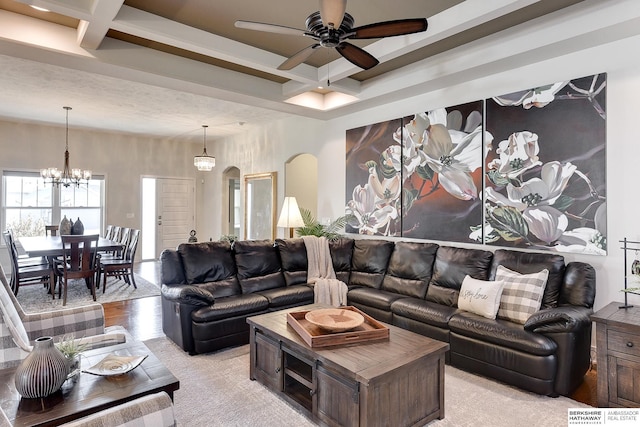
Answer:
(313, 228)
(72, 349)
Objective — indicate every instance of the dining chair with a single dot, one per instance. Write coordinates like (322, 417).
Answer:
(115, 233)
(51, 230)
(28, 271)
(79, 261)
(108, 233)
(121, 267)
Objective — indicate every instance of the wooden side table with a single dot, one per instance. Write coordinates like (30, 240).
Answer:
(618, 349)
(88, 393)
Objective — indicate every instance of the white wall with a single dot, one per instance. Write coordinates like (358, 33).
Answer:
(268, 150)
(123, 159)
(263, 150)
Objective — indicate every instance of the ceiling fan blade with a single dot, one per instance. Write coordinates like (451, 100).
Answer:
(269, 28)
(356, 55)
(298, 58)
(332, 12)
(389, 29)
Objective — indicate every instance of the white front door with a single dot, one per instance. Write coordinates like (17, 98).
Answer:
(175, 212)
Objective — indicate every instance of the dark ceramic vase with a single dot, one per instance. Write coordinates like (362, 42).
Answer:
(78, 227)
(43, 371)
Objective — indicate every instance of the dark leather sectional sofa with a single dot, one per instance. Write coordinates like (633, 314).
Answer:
(209, 289)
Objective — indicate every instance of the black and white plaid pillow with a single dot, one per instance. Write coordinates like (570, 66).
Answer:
(522, 293)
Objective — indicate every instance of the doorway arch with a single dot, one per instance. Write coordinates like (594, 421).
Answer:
(301, 181)
(231, 216)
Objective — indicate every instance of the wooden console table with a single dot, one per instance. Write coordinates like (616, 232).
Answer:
(618, 347)
(88, 393)
(395, 382)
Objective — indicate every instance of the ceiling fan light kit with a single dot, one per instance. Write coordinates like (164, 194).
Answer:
(332, 26)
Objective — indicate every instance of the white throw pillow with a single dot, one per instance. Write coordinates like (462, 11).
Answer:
(480, 297)
(522, 294)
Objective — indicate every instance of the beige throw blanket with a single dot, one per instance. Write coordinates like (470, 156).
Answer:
(327, 289)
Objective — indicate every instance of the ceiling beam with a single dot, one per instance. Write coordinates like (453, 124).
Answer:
(152, 27)
(461, 17)
(92, 32)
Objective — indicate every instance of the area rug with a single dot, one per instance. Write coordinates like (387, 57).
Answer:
(215, 390)
(34, 298)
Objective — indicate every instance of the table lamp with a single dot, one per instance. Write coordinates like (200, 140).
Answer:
(290, 215)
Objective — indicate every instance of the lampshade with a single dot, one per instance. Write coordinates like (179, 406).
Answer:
(290, 214)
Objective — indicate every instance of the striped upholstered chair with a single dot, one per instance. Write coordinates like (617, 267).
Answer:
(19, 329)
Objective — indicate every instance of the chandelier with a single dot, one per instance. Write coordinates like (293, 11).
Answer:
(204, 162)
(67, 176)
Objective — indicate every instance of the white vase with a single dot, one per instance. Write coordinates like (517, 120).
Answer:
(65, 226)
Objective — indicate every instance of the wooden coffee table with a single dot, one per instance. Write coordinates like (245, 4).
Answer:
(88, 393)
(396, 382)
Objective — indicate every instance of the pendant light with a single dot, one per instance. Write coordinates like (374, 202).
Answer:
(67, 176)
(204, 162)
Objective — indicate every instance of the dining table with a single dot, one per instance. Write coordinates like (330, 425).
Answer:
(51, 246)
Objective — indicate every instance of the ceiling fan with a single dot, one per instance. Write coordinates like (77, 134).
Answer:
(331, 27)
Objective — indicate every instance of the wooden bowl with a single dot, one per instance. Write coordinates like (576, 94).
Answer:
(334, 319)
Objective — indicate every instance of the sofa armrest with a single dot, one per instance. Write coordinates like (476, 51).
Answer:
(155, 410)
(80, 322)
(559, 319)
(188, 294)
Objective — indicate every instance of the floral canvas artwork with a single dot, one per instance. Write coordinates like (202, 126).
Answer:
(443, 156)
(545, 176)
(532, 176)
(419, 176)
(373, 197)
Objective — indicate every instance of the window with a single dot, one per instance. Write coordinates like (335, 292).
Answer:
(29, 204)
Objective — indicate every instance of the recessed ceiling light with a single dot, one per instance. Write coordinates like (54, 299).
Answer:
(41, 9)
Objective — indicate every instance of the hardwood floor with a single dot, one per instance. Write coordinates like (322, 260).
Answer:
(142, 317)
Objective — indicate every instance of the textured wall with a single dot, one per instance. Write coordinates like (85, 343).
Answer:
(123, 159)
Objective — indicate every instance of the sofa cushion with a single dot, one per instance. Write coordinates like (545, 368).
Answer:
(530, 262)
(423, 311)
(222, 288)
(369, 262)
(522, 294)
(410, 268)
(579, 286)
(450, 268)
(480, 296)
(341, 253)
(171, 268)
(502, 333)
(293, 256)
(207, 261)
(258, 264)
(377, 298)
(289, 295)
(228, 307)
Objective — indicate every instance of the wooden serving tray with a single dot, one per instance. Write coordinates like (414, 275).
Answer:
(370, 330)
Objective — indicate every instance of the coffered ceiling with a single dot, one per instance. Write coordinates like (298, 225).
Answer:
(165, 67)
